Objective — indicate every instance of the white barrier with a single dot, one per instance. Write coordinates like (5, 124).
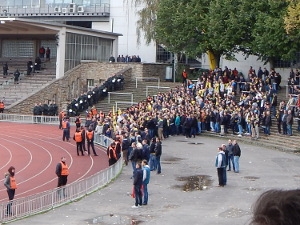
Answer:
(147, 79)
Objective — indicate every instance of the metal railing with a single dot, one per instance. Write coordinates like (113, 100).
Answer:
(122, 105)
(53, 9)
(128, 96)
(156, 88)
(47, 200)
(52, 120)
(147, 79)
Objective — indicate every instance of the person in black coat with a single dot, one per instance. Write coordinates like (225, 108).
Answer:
(158, 152)
(137, 185)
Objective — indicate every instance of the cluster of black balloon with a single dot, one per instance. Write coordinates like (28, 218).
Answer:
(92, 97)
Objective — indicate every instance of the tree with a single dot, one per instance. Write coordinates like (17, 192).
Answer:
(198, 26)
(269, 38)
(223, 27)
(291, 20)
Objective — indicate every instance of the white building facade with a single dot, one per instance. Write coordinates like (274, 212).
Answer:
(123, 20)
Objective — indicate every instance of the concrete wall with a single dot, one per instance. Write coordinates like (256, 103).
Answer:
(77, 78)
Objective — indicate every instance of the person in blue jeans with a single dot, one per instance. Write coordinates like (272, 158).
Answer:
(146, 180)
(236, 156)
(158, 152)
(152, 162)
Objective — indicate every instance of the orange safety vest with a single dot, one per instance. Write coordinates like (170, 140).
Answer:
(78, 137)
(13, 183)
(114, 156)
(1, 105)
(64, 169)
(89, 135)
(64, 125)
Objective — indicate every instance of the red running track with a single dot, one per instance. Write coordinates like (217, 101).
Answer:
(34, 150)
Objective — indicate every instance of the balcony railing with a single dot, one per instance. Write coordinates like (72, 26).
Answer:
(55, 10)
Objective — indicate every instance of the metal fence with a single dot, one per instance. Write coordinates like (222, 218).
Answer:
(152, 90)
(147, 79)
(119, 96)
(42, 202)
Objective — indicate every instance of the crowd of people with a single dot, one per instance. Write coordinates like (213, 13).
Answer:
(128, 58)
(46, 109)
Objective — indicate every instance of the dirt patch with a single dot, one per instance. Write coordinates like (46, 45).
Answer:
(195, 143)
(252, 178)
(194, 183)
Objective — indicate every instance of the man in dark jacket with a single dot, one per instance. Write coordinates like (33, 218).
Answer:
(137, 185)
(158, 152)
(236, 156)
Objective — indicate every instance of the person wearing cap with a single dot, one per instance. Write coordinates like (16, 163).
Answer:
(11, 186)
(62, 172)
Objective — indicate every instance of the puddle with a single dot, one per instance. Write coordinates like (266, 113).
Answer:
(195, 143)
(194, 183)
(111, 219)
(252, 178)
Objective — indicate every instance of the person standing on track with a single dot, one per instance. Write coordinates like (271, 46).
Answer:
(66, 129)
(78, 138)
(83, 138)
(90, 141)
(61, 116)
(62, 172)
(11, 186)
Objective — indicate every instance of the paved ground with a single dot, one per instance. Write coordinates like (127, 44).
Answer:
(261, 169)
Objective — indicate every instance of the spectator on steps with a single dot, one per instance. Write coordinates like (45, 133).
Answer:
(16, 76)
(5, 69)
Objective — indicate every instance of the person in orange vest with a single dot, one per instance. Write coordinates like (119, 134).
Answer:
(11, 186)
(111, 153)
(90, 141)
(78, 138)
(184, 77)
(66, 129)
(94, 111)
(61, 116)
(62, 172)
(1, 106)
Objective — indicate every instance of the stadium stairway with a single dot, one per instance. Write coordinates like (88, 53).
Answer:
(274, 141)
(27, 85)
(139, 90)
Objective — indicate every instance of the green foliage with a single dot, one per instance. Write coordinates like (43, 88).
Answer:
(222, 27)
(270, 39)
